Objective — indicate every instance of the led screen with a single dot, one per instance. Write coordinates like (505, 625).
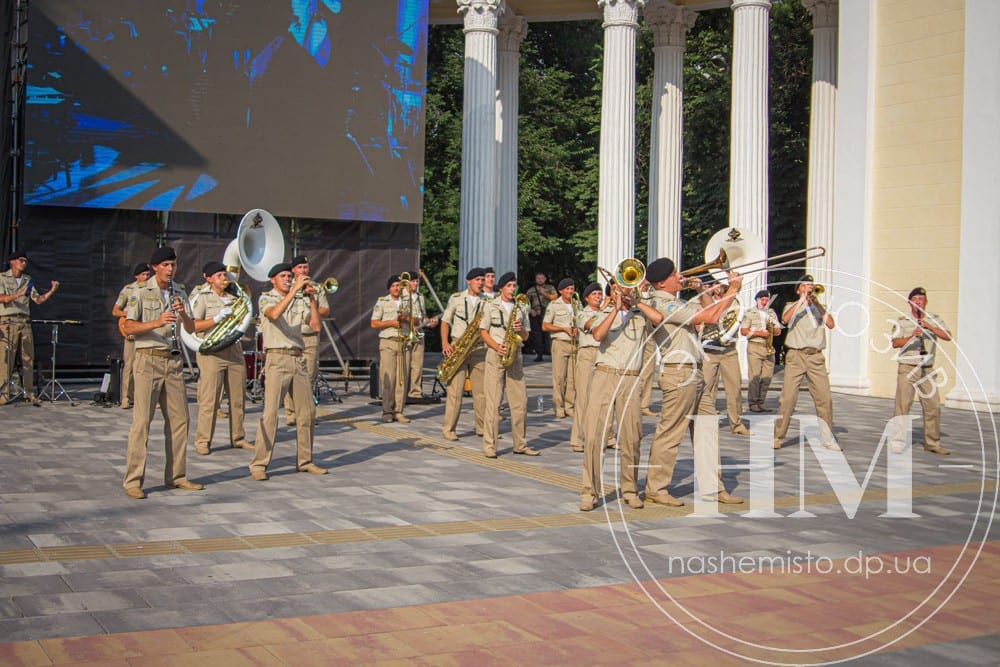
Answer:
(310, 108)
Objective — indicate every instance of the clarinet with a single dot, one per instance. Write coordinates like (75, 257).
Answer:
(171, 297)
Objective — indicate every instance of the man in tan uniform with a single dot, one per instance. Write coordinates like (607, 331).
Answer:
(560, 323)
(807, 322)
(16, 289)
(682, 384)
(221, 368)
(489, 283)
(300, 266)
(152, 316)
(503, 314)
(586, 355)
(421, 322)
(390, 315)
(614, 394)
(461, 313)
(141, 274)
(760, 325)
(915, 336)
(283, 309)
(721, 359)
(539, 295)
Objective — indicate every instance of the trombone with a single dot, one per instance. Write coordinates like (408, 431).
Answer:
(629, 274)
(722, 263)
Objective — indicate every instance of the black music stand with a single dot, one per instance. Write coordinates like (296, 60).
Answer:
(53, 384)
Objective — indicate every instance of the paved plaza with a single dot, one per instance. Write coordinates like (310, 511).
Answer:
(417, 550)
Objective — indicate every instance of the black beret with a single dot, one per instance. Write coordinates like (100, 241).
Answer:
(141, 267)
(564, 283)
(390, 280)
(489, 269)
(917, 291)
(659, 270)
(508, 277)
(278, 268)
(162, 255)
(299, 259)
(212, 268)
(592, 287)
(761, 294)
(17, 254)
(475, 273)
(807, 278)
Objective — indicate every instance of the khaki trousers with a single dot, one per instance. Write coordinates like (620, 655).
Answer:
(760, 369)
(648, 371)
(910, 383)
(17, 335)
(285, 375)
(393, 356)
(474, 368)
(727, 365)
(563, 371)
(311, 354)
(585, 357)
(612, 397)
(128, 359)
(496, 378)
(799, 364)
(682, 386)
(416, 369)
(158, 382)
(224, 368)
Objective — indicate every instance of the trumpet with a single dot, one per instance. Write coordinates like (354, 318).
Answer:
(330, 285)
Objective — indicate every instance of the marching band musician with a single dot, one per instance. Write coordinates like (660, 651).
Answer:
(915, 336)
(141, 274)
(300, 267)
(152, 316)
(282, 315)
(16, 288)
(586, 354)
(559, 322)
(722, 359)
(760, 326)
(807, 321)
(649, 366)
(489, 283)
(503, 315)
(682, 384)
(461, 311)
(614, 388)
(218, 369)
(420, 322)
(389, 316)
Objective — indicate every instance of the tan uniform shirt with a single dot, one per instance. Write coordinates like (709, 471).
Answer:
(386, 308)
(677, 336)
(622, 347)
(805, 330)
(286, 331)
(460, 311)
(146, 304)
(497, 316)
(321, 302)
(587, 318)
(919, 351)
(560, 314)
(759, 320)
(126, 292)
(10, 285)
(207, 305)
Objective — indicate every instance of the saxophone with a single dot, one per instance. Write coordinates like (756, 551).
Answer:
(466, 343)
(511, 339)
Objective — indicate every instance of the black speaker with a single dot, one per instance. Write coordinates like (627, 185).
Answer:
(373, 380)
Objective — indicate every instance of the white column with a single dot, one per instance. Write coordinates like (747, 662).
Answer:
(513, 29)
(616, 192)
(748, 182)
(822, 135)
(670, 25)
(477, 217)
(978, 382)
(854, 145)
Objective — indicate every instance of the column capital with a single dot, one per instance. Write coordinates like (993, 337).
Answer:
(739, 4)
(481, 15)
(824, 12)
(513, 30)
(669, 23)
(621, 12)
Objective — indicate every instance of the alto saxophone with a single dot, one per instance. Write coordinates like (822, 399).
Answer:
(511, 339)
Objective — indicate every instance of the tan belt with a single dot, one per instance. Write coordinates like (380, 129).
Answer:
(154, 352)
(289, 351)
(615, 371)
(807, 350)
(307, 335)
(683, 364)
(757, 341)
